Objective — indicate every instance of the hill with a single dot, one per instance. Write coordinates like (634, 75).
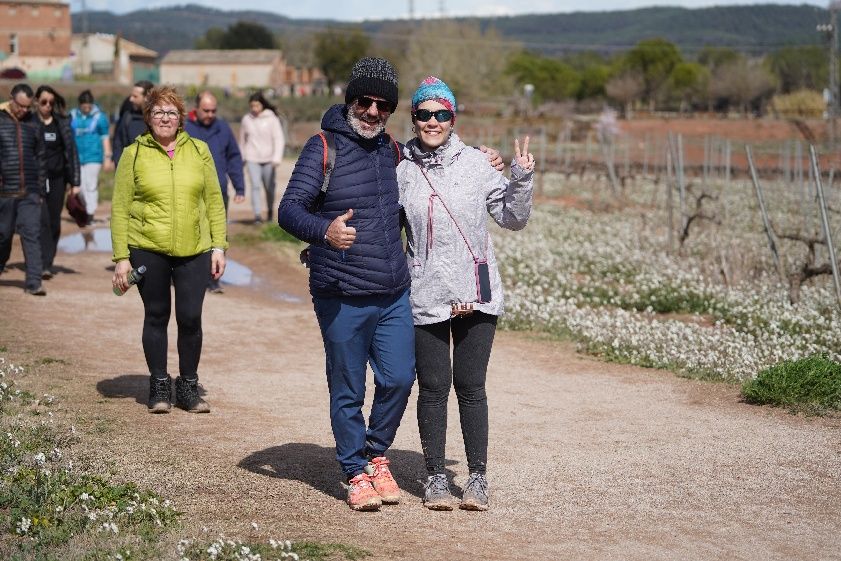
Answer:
(754, 29)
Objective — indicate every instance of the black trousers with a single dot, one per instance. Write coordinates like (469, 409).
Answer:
(472, 338)
(23, 214)
(51, 219)
(189, 276)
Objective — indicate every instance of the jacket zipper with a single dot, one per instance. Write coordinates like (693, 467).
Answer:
(175, 213)
(20, 157)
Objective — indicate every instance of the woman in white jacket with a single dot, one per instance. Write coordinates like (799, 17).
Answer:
(261, 142)
(447, 190)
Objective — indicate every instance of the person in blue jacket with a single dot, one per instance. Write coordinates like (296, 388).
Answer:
(359, 279)
(203, 123)
(90, 129)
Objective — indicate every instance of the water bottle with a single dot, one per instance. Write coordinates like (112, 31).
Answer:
(134, 277)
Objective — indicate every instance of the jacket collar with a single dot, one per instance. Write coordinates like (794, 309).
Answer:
(444, 155)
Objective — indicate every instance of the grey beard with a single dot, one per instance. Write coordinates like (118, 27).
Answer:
(355, 124)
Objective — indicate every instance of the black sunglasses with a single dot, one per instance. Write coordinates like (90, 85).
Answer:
(365, 102)
(441, 115)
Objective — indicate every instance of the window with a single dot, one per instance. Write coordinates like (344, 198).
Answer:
(13, 44)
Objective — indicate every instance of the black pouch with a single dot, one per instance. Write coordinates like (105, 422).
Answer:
(483, 282)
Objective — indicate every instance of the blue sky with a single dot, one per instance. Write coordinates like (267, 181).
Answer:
(390, 9)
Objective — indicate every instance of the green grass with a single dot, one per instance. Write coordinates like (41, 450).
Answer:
(106, 185)
(811, 385)
(274, 233)
(267, 233)
(50, 360)
(315, 551)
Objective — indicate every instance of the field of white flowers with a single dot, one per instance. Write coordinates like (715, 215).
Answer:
(600, 271)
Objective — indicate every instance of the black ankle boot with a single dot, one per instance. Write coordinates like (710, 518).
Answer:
(160, 394)
(187, 396)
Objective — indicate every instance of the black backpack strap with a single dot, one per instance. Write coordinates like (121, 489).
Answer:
(329, 160)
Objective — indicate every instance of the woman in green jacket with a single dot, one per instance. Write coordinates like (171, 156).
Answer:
(167, 214)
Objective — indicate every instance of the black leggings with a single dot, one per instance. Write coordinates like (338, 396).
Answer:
(190, 276)
(472, 340)
(51, 219)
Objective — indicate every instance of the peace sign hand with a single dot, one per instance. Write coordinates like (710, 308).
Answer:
(525, 159)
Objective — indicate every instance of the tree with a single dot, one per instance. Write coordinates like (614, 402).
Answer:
(212, 39)
(743, 83)
(241, 35)
(653, 60)
(336, 51)
(552, 79)
(471, 61)
(625, 88)
(714, 57)
(686, 81)
(799, 68)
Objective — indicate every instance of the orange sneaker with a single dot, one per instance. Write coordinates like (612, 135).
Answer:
(361, 494)
(383, 481)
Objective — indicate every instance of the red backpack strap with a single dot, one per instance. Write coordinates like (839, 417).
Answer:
(398, 156)
(329, 159)
(324, 159)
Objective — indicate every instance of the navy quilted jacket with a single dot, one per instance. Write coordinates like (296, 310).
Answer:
(364, 179)
(22, 168)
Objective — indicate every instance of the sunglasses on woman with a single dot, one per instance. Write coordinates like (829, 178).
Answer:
(382, 105)
(441, 115)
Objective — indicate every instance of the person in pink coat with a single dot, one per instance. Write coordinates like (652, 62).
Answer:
(261, 142)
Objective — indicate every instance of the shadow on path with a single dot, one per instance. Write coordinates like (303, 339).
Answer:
(316, 466)
(132, 385)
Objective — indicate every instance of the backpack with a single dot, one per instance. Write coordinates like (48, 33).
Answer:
(328, 140)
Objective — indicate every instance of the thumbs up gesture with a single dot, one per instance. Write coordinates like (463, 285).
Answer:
(339, 234)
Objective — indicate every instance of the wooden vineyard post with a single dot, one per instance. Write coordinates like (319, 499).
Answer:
(669, 203)
(816, 173)
(772, 243)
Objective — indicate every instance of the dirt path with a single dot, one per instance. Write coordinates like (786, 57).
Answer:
(587, 460)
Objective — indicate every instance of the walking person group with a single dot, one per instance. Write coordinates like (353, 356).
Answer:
(353, 192)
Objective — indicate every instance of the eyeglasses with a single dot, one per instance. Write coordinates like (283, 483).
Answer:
(382, 105)
(45, 102)
(441, 115)
(158, 115)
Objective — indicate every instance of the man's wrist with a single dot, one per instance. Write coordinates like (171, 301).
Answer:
(218, 249)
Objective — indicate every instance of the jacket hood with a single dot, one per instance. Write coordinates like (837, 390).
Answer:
(444, 155)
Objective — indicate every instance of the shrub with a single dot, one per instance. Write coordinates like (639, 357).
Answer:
(811, 384)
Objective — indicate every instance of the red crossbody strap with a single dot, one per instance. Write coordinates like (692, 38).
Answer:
(453, 218)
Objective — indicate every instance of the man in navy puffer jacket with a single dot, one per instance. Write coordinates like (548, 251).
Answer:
(22, 183)
(359, 279)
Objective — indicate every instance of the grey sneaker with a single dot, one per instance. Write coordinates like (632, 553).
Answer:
(187, 396)
(35, 291)
(160, 393)
(436, 493)
(475, 493)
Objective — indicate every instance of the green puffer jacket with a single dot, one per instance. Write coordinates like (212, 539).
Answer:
(170, 206)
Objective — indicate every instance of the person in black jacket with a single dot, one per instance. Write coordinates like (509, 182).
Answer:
(61, 165)
(22, 179)
(131, 123)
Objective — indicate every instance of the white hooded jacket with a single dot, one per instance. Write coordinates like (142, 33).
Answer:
(442, 267)
(261, 138)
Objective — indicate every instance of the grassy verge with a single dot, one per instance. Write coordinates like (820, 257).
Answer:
(811, 385)
(55, 506)
(267, 233)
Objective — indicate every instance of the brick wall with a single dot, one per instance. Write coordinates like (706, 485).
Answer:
(40, 29)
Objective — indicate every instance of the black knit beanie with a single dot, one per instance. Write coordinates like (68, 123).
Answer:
(372, 76)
